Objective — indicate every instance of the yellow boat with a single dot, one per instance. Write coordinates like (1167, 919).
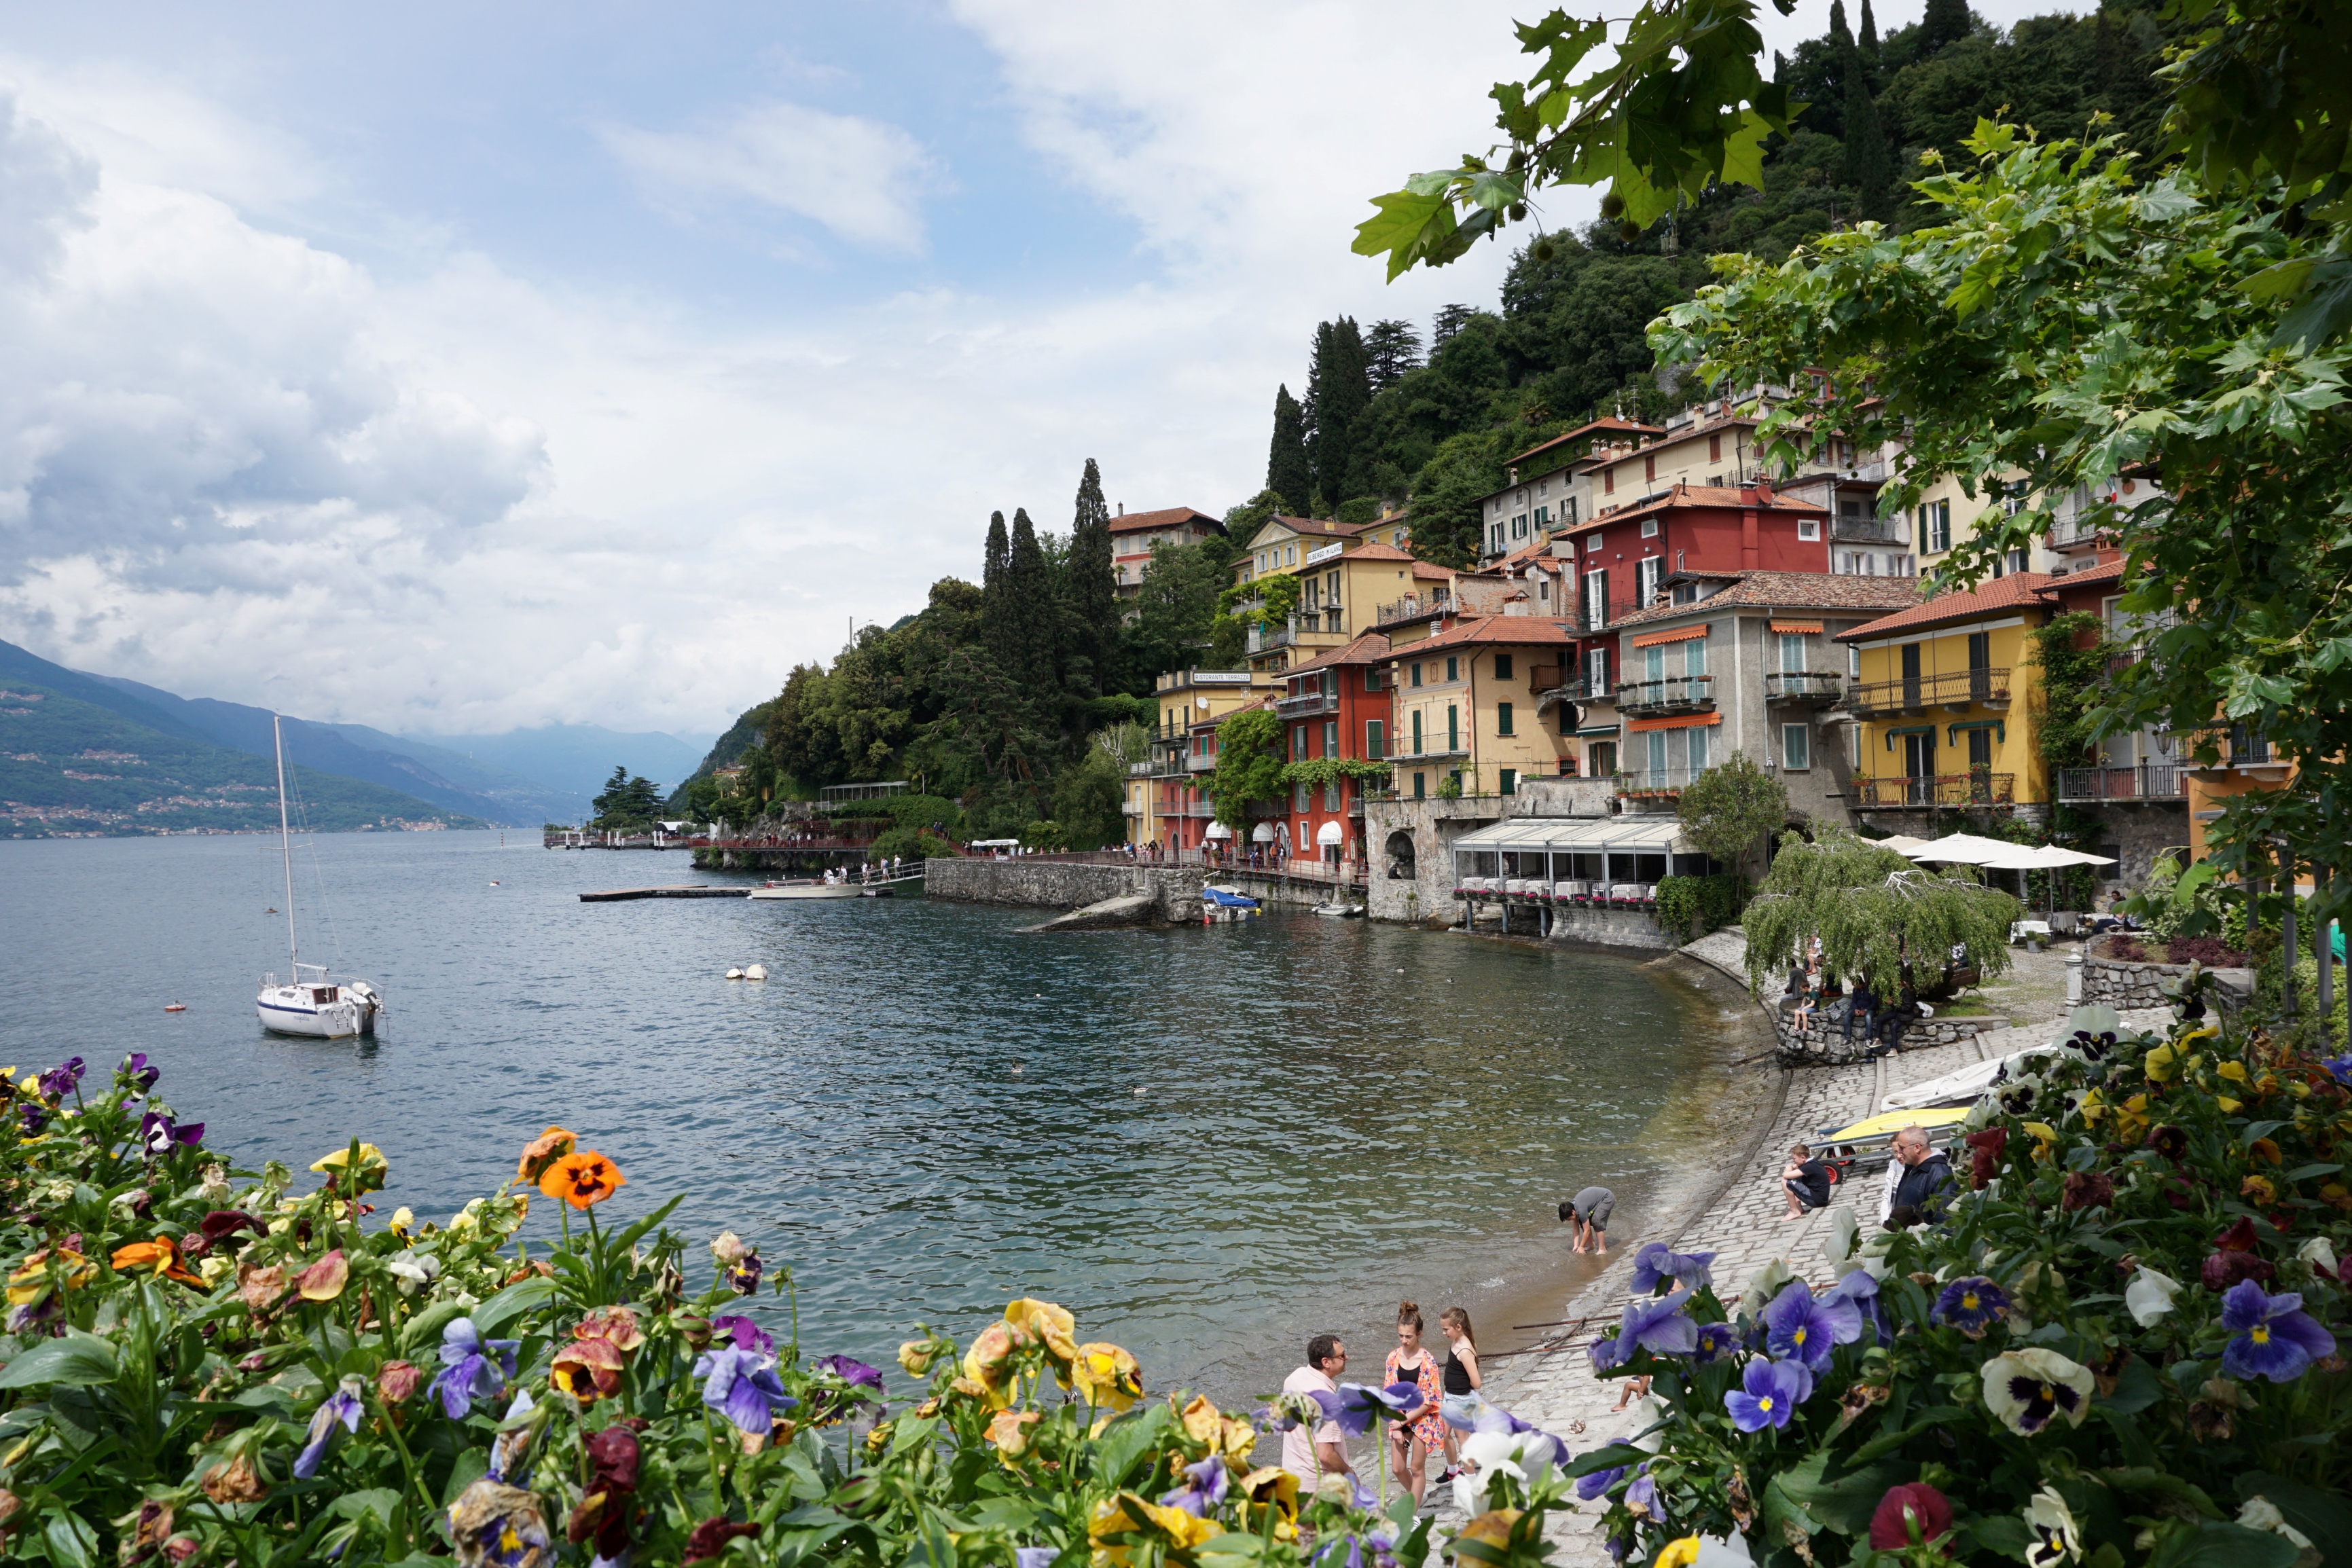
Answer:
(1888, 1122)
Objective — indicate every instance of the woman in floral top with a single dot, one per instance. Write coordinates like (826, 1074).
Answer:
(1411, 1442)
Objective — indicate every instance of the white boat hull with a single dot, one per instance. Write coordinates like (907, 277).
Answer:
(297, 1010)
(813, 890)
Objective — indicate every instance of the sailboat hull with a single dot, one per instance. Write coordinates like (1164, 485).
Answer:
(293, 1009)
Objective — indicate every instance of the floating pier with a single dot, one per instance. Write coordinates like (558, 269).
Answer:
(688, 890)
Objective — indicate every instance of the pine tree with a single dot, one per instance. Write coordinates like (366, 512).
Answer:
(1337, 387)
(1390, 348)
(1032, 656)
(1451, 319)
(1946, 22)
(1286, 473)
(996, 617)
(1869, 160)
(1086, 577)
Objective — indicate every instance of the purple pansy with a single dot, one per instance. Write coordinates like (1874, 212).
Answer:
(343, 1405)
(1659, 1326)
(1592, 1485)
(142, 1077)
(2275, 1337)
(33, 1116)
(1768, 1394)
(1716, 1341)
(472, 1367)
(747, 1334)
(1971, 1305)
(1356, 1405)
(1203, 1488)
(61, 1080)
(2340, 1067)
(159, 1134)
(1642, 1497)
(1656, 1264)
(742, 1385)
(743, 1276)
(1607, 1355)
(1034, 1557)
(849, 1370)
(1861, 1287)
(1798, 1326)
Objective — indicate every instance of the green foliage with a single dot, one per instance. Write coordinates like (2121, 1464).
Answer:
(1320, 771)
(1088, 800)
(628, 804)
(1683, 899)
(1280, 593)
(1045, 834)
(1287, 474)
(1249, 765)
(1089, 593)
(1175, 612)
(2173, 904)
(2072, 678)
(1873, 912)
(1338, 385)
(1729, 809)
(1450, 787)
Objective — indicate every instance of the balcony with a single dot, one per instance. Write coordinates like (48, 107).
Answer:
(1306, 707)
(1675, 694)
(1958, 691)
(2078, 533)
(1948, 791)
(1654, 782)
(1413, 607)
(1142, 770)
(1431, 750)
(2149, 781)
(1803, 686)
(1870, 531)
(1263, 638)
(1196, 763)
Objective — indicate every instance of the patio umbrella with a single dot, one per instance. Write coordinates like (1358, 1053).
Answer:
(1903, 845)
(1962, 849)
(2023, 858)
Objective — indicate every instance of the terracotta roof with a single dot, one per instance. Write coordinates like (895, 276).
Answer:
(2113, 571)
(1718, 495)
(1505, 629)
(1430, 571)
(1381, 552)
(1167, 518)
(2018, 590)
(1370, 648)
(1785, 590)
(1323, 526)
(1612, 423)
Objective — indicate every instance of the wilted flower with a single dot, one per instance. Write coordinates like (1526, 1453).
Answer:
(710, 1538)
(215, 1188)
(2320, 1253)
(1008, 1431)
(343, 1405)
(1768, 1394)
(518, 1430)
(2225, 1270)
(2261, 1513)
(587, 1369)
(742, 1385)
(613, 1457)
(581, 1180)
(2027, 1389)
(1642, 1497)
(2274, 1337)
(220, 1227)
(2086, 1189)
(396, 1382)
(471, 1367)
(2149, 1295)
(1107, 1376)
(916, 1355)
(541, 1152)
(324, 1280)
(239, 1480)
(2258, 1190)
(494, 1525)
(2055, 1537)
(1048, 1324)
(1985, 1147)
(1657, 1264)
(1796, 1324)
(616, 1324)
(259, 1287)
(1971, 1305)
(1911, 1513)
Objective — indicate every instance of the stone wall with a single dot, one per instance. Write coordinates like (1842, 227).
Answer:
(1578, 926)
(1425, 896)
(2135, 832)
(1057, 884)
(2121, 984)
(1823, 1041)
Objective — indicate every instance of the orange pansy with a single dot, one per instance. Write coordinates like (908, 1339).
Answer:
(161, 1256)
(583, 1180)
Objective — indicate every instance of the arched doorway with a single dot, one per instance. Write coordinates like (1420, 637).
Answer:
(1400, 852)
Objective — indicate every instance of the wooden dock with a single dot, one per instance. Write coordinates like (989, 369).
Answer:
(687, 890)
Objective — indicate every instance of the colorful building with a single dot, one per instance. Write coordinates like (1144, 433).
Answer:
(1336, 705)
(1468, 706)
(1166, 802)
(1132, 536)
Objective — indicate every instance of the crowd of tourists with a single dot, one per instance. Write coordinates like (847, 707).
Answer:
(1312, 1450)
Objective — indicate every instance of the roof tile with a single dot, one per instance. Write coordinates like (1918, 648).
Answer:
(2017, 590)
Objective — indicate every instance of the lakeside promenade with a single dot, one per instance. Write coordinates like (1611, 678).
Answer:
(1740, 1222)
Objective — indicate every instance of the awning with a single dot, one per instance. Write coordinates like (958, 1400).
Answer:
(1263, 833)
(1643, 834)
(1798, 628)
(1676, 721)
(1684, 636)
(1219, 831)
(1330, 835)
(1593, 729)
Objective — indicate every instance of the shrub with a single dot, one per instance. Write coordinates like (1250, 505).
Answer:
(2209, 951)
(1682, 899)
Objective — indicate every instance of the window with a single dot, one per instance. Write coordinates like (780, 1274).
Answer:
(1697, 751)
(1510, 780)
(1600, 759)
(1371, 677)
(1331, 588)
(1331, 795)
(1980, 749)
(1654, 663)
(1649, 528)
(1646, 574)
(1417, 747)
(1596, 673)
(1502, 666)
(1452, 728)
(1596, 599)
(1715, 448)
(1453, 667)
(1809, 528)
(1421, 786)
(1330, 737)
(1375, 740)
(1853, 662)
(1298, 796)
(1695, 656)
(1543, 487)
(1935, 526)
(1298, 743)
(1796, 746)
(1657, 747)
(1543, 517)
(1649, 466)
(1520, 526)
(1503, 721)
(1494, 539)
(1609, 481)
(1416, 674)
(1793, 653)
(2017, 560)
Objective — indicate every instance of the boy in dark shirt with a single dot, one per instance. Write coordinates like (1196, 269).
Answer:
(1806, 1180)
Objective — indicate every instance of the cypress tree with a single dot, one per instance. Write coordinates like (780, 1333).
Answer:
(1868, 43)
(1946, 22)
(1033, 656)
(1286, 473)
(1869, 160)
(1338, 385)
(1093, 597)
(995, 582)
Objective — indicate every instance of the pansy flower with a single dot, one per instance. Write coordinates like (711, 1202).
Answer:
(2339, 1067)
(471, 1367)
(1607, 1355)
(850, 1370)
(613, 1457)
(1589, 1486)
(747, 1334)
(159, 1134)
(161, 1256)
(2027, 1390)
(364, 1175)
(1971, 1305)
(742, 1385)
(499, 1525)
(1642, 1497)
(581, 1180)
(341, 1407)
(1768, 1394)
(2273, 1336)
(1106, 1375)
(541, 1152)
(142, 1077)
(2052, 1535)
(1659, 1326)
(587, 1369)
(1203, 1489)
(1716, 1341)
(1657, 1264)
(1357, 1405)
(1797, 1325)
(62, 1080)
(1911, 1514)
(1860, 1287)
(2149, 1295)
(618, 1325)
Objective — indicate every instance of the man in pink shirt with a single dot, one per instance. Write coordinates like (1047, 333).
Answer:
(1322, 1451)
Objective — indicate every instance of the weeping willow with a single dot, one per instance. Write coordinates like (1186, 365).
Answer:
(1873, 911)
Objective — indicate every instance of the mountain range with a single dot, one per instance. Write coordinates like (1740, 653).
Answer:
(98, 754)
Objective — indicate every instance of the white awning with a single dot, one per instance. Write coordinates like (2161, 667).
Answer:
(1329, 834)
(1659, 834)
(1219, 831)
(1263, 833)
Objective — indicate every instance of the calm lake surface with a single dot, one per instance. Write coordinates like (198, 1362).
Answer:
(1209, 1144)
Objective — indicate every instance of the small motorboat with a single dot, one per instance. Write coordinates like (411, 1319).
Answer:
(175, 1006)
(1227, 904)
(808, 887)
(1340, 911)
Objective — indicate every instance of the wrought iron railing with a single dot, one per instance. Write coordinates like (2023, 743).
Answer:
(1955, 688)
(1870, 531)
(1675, 693)
(1657, 781)
(1803, 686)
(1308, 706)
(1946, 790)
(1413, 607)
(2147, 781)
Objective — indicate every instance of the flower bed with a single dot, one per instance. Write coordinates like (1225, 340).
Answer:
(2117, 1344)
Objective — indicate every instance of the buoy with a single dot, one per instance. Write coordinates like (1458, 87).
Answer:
(734, 974)
(756, 972)
(1139, 1089)
(175, 1006)
(1017, 1070)
(494, 882)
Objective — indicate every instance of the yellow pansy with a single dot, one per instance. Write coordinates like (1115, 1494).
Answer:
(1009, 1430)
(2235, 1072)
(1274, 1488)
(2264, 1150)
(368, 1176)
(404, 1222)
(1106, 1374)
(2162, 1064)
(2229, 1107)
(2092, 1108)
(1494, 1528)
(1679, 1554)
(988, 1362)
(2258, 1189)
(2045, 1138)
(1239, 1438)
(1048, 1323)
(2204, 1031)
(1185, 1530)
(1201, 1419)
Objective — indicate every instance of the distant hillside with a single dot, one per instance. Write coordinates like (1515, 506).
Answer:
(73, 767)
(354, 751)
(729, 748)
(579, 757)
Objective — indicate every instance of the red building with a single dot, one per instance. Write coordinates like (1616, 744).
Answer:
(1336, 705)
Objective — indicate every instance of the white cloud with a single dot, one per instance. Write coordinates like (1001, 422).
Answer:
(863, 178)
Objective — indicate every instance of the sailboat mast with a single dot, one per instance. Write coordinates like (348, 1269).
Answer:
(286, 849)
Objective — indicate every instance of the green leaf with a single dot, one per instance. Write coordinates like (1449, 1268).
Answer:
(72, 1542)
(471, 1466)
(1842, 1500)
(424, 1331)
(2217, 1545)
(2004, 1536)
(2304, 1172)
(78, 1360)
(2322, 1516)
(2137, 1387)
(523, 1296)
(382, 1502)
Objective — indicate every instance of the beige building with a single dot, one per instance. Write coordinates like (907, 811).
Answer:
(1165, 791)
(1132, 536)
(1467, 706)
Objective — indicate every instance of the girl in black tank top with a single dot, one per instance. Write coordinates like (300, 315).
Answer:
(1461, 1372)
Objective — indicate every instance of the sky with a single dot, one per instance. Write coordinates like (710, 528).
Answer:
(453, 368)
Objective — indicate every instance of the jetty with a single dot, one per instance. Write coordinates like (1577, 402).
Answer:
(687, 890)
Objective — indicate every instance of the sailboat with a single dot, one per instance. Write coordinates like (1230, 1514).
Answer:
(307, 1002)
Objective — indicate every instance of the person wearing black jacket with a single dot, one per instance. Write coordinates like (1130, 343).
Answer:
(1861, 1008)
(1926, 1185)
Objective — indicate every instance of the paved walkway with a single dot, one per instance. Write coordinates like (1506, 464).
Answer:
(1743, 1227)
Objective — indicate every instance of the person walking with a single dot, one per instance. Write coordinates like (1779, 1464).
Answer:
(1589, 1211)
(1462, 1377)
(1310, 1454)
(1409, 1442)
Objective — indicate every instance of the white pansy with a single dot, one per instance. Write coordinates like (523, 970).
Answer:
(1332, 1486)
(1723, 1551)
(1764, 1284)
(1493, 1452)
(1844, 1230)
(2261, 1513)
(2026, 1390)
(2320, 1253)
(414, 1271)
(2149, 1295)
(2056, 1537)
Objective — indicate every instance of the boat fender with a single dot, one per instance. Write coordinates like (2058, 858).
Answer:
(734, 974)
(756, 972)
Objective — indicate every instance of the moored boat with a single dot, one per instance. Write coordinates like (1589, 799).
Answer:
(309, 1004)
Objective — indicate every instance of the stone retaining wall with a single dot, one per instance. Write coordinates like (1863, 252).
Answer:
(1057, 884)
(2121, 984)
(1823, 1041)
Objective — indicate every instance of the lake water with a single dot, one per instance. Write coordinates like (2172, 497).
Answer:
(1209, 1144)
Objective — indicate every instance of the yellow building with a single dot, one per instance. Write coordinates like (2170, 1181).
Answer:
(1166, 790)
(1943, 696)
(1465, 707)
(1345, 587)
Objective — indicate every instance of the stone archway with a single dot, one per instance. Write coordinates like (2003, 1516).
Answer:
(1400, 854)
